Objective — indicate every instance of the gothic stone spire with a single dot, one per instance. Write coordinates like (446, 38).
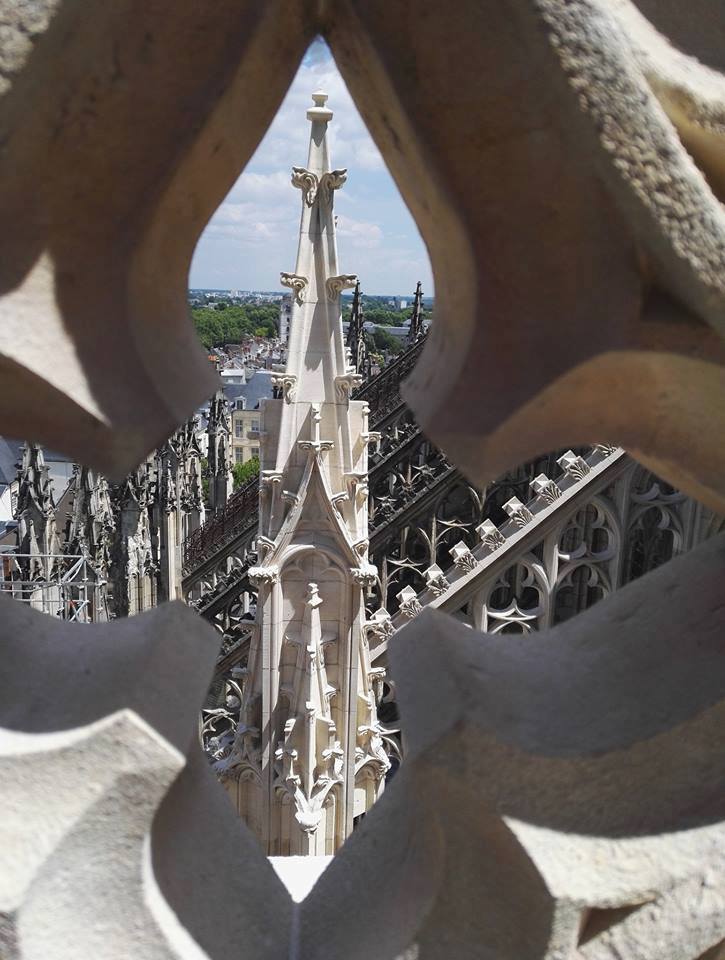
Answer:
(306, 704)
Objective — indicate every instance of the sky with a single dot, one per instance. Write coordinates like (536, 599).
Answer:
(253, 234)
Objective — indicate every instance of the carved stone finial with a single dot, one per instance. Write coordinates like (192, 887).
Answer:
(319, 111)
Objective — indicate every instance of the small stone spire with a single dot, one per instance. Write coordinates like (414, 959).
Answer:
(416, 318)
(356, 335)
(306, 735)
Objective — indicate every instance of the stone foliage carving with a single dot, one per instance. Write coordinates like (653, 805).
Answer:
(286, 383)
(307, 183)
(335, 285)
(296, 283)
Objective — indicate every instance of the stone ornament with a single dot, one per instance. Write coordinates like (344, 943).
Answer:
(345, 384)
(307, 183)
(573, 466)
(436, 580)
(462, 557)
(296, 283)
(335, 286)
(520, 514)
(490, 535)
(264, 576)
(627, 290)
(547, 489)
(331, 181)
(287, 384)
(409, 604)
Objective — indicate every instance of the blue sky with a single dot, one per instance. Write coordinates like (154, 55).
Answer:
(253, 234)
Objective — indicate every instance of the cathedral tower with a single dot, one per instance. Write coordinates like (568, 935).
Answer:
(308, 758)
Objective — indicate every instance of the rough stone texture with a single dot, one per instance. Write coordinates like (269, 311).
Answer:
(563, 795)
(576, 246)
(110, 168)
(588, 777)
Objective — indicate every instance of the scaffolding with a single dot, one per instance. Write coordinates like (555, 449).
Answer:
(62, 585)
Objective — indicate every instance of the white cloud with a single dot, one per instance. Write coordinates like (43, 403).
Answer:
(253, 234)
(361, 235)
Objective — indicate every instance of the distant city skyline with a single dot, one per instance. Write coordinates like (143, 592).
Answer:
(253, 234)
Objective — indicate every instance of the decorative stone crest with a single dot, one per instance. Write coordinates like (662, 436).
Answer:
(296, 283)
(365, 575)
(380, 625)
(263, 575)
(606, 449)
(345, 384)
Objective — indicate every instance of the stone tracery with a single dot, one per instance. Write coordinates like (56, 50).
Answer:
(539, 395)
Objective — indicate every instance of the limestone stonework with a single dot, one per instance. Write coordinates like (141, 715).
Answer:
(563, 793)
(307, 756)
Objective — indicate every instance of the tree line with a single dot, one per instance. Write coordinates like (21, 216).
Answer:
(226, 323)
